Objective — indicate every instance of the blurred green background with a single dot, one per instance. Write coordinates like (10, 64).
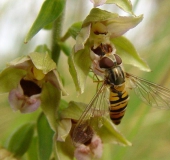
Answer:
(147, 128)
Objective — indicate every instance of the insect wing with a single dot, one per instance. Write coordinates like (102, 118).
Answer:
(83, 131)
(151, 93)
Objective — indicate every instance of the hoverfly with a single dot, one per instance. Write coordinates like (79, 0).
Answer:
(115, 80)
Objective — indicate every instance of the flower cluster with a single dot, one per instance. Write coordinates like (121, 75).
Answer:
(95, 39)
(33, 81)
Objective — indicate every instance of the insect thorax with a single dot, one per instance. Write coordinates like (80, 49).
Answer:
(114, 76)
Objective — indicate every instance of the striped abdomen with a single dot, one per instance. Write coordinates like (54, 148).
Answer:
(118, 103)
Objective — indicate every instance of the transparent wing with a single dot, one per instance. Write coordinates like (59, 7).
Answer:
(98, 106)
(151, 93)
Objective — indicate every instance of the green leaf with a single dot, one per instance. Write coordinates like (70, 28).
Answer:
(20, 140)
(10, 78)
(48, 26)
(45, 138)
(50, 99)
(109, 133)
(65, 48)
(42, 61)
(79, 66)
(32, 153)
(50, 11)
(128, 53)
(42, 49)
(73, 111)
(126, 5)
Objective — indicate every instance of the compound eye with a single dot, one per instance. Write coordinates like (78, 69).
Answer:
(118, 59)
(106, 62)
(110, 61)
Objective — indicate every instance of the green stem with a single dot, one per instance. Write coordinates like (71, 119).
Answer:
(135, 4)
(56, 35)
(65, 37)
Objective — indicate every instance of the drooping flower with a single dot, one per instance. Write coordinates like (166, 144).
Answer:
(96, 38)
(24, 79)
(70, 146)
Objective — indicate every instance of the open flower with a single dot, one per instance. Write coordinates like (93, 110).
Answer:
(24, 79)
(96, 38)
(72, 145)
(26, 97)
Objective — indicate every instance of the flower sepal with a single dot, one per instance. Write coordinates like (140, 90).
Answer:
(125, 5)
(79, 67)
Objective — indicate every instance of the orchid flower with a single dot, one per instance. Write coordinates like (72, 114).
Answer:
(96, 38)
(84, 150)
(24, 79)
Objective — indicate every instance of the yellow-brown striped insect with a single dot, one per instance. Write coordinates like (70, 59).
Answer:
(115, 81)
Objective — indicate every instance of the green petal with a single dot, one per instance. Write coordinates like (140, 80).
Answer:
(82, 37)
(45, 138)
(73, 111)
(10, 78)
(98, 15)
(116, 25)
(64, 127)
(109, 134)
(42, 61)
(20, 140)
(120, 25)
(18, 61)
(79, 66)
(54, 78)
(126, 5)
(42, 49)
(128, 53)
(50, 11)
(50, 99)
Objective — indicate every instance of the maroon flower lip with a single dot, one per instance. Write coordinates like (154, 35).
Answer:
(30, 88)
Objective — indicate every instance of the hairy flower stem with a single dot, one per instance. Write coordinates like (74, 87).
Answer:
(56, 35)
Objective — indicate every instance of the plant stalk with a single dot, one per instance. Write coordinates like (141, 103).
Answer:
(56, 35)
